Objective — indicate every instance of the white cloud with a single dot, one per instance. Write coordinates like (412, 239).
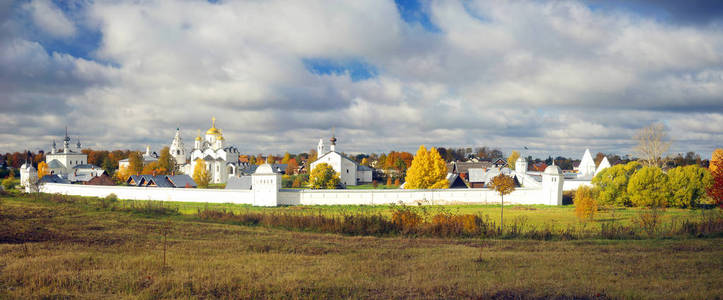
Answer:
(50, 18)
(555, 76)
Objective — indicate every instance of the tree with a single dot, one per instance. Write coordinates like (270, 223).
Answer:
(688, 185)
(503, 185)
(428, 171)
(108, 166)
(512, 159)
(166, 161)
(9, 182)
(585, 204)
(42, 169)
(260, 159)
(612, 184)
(200, 174)
(364, 162)
(135, 163)
(652, 143)
(715, 190)
(292, 166)
(272, 159)
(323, 176)
(716, 156)
(154, 168)
(649, 187)
(286, 158)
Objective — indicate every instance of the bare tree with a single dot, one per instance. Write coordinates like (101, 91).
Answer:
(653, 142)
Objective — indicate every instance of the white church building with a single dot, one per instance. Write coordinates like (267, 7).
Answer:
(350, 172)
(221, 161)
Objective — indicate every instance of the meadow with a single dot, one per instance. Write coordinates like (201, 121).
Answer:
(68, 247)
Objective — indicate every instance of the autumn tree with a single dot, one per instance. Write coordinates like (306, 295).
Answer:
(135, 163)
(427, 171)
(292, 166)
(715, 190)
(154, 168)
(200, 174)
(688, 185)
(364, 162)
(286, 158)
(167, 162)
(652, 143)
(649, 187)
(323, 176)
(43, 169)
(612, 184)
(512, 159)
(260, 159)
(585, 204)
(503, 185)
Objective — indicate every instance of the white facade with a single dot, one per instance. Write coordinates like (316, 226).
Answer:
(587, 165)
(177, 149)
(348, 170)
(61, 162)
(221, 161)
(265, 185)
(28, 175)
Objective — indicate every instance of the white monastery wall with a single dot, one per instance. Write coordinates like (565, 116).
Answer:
(153, 193)
(307, 197)
(572, 184)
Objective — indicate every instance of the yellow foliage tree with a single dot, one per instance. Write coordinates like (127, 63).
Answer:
(122, 174)
(364, 162)
(585, 203)
(286, 158)
(42, 169)
(504, 185)
(154, 168)
(200, 174)
(716, 157)
(323, 176)
(513, 159)
(428, 171)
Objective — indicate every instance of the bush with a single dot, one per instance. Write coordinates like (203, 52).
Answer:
(612, 184)
(688, 185)
(648, 187)
(585, 203)
(9, 182)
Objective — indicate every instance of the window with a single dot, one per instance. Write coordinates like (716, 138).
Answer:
(347, 171)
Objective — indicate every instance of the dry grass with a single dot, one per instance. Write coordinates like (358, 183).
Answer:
(64, 251)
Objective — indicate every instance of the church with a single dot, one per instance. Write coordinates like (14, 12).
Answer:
(350, 172)
(221, 161)
(71, 165)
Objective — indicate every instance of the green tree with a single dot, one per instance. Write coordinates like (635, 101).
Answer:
(166, 161)
(503, 185)
(612, 184)
(135, 163)
(200, 174)
(323, 176)
(648, 187)
(688, 185)
(428, 171)
(108, 166)
(512, 159)
(9, 182)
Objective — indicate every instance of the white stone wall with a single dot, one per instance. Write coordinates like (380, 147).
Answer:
(153, 193)
(269, 190)
(572, 184)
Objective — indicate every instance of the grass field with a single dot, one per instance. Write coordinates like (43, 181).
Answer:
(67, 250)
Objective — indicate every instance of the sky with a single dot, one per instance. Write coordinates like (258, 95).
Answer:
(556, 77)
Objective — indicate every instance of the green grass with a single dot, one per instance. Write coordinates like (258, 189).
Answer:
(216, 185)
(72, 250)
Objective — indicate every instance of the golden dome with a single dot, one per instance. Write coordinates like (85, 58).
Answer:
(198, 138)
(213, 129)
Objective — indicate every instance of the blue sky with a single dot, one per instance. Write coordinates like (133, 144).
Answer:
(557, 77)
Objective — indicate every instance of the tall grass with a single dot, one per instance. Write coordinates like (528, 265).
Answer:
(415, 221)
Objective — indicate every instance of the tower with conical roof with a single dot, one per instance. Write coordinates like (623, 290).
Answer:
(177, 149)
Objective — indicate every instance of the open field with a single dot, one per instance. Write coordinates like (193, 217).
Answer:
(56, 249)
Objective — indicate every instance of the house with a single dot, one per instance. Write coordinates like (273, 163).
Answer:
(170, 181)
(239, 183)
(348, 170)
(102, 179)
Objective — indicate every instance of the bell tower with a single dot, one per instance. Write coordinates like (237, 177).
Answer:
(177, 149)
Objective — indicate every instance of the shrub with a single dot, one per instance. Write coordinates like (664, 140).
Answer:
(648, 187)
(688, 185)
(612, 184)
(9, 182)
(585, 203)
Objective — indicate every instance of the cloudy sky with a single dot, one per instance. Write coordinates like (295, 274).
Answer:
(557, 77)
